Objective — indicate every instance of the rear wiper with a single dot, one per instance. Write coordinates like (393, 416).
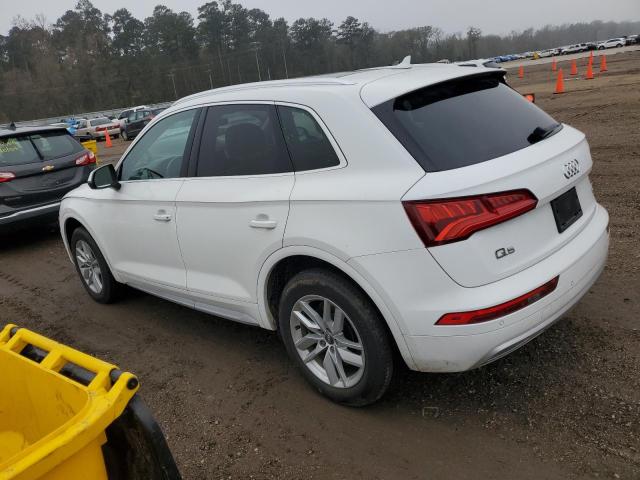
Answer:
(540, 133)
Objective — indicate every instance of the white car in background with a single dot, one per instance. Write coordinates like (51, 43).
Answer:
(124, 115)
(363, 214)
(612, 43)
(97, 128)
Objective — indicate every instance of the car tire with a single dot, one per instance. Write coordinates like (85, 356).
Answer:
(600, 48)
(352, 364)
(92, 268)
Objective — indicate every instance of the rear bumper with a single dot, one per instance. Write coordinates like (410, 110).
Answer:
(35, 213)
(420, 294)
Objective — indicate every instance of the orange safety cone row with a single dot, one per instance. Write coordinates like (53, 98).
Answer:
(574, 68)
(560, 83)
(603, 63)
(107, 138)
(521, 72)
(554, 65)
(589, 72)
(591, 57)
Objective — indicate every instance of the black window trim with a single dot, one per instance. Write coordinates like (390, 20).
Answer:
(195, 150)
(184, 168)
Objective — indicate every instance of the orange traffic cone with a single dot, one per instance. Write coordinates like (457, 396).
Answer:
(521, 72)
(560, 83)
(107, 138)
(589, 72)
(554, 65)
(603, 63)
(591, 57)
(574, 68)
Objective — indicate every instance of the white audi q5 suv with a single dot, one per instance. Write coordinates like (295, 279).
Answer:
(426, 210)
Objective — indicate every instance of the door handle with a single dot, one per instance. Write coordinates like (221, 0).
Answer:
(162, 217)
(260, 223)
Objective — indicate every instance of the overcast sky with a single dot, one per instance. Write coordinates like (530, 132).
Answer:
(492, 16)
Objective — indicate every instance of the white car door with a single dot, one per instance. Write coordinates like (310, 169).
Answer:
(232, 213)
(137, 223)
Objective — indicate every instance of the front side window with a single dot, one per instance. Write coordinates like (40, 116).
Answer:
(242, 140)
(309, 147)
(160, 151)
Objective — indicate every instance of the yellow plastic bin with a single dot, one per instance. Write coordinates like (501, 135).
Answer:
(92, 145)
(65, 415)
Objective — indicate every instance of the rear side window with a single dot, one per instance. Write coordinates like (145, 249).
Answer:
(309, 147)
(17, 151)
(242, 140)
(55, 145)
(464, 122)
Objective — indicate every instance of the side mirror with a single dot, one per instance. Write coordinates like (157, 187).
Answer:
(104, 177)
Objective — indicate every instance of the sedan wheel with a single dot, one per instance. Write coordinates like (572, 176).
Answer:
(90, 270)
(327, 341)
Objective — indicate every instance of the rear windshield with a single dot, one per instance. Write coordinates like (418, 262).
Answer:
(100, 121)
(465, 121)
(36, 147)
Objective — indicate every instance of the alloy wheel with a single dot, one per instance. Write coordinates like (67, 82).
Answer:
(327, 341)
(89, 267)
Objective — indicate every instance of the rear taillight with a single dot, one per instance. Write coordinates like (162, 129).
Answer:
(6, 176)
(438, 222)
(86, 159)
(491, 313)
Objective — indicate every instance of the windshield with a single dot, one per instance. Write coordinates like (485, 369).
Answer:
(464, 121)
(36, 148)
(100, 121)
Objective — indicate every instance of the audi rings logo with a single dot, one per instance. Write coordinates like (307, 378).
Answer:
(571, 169)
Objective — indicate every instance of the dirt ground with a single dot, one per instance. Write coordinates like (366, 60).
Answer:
(567, 405)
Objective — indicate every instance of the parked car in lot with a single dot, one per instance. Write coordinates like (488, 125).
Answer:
(548, 53)
(632, 39)
(137, 121)
(38, 166)
(124, 115)
(575, 48)
(359, 215)
(483, 62)
(612, 43)
(97, 128)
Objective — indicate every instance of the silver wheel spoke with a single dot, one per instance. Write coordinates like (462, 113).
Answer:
(338, 322)
(309, 340)
(317, 351)
(343, 342)
(335, 356)
(315, 316)
(350, 357)
(330, 368)
(309, 324)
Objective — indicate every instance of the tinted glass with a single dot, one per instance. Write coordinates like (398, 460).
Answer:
(242, 140)
(55, 145)
(463, 122)
(159, 153)
(308, 145)
(17, 151)
(99, 121)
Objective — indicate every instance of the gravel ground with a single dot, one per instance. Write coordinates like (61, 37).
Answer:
(567, 405)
